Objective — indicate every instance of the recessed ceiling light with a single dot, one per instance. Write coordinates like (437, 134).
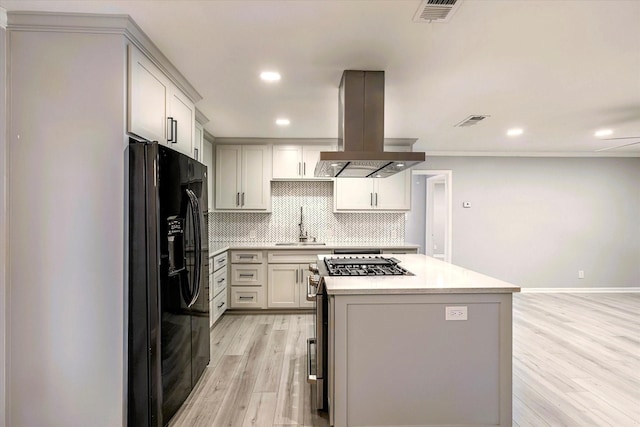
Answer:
(514, 132)
(283, 122)
(270, 76)
(400, 165)
(378, 176)
(603, 132)
(333, 165)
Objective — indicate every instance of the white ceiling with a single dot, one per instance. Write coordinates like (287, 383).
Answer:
(559, 69)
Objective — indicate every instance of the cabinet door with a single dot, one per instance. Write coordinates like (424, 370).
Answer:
(207, 159)
(394, 192)
(353, 194)
(198, 143)
(228, 164)
(283, 288)
(305, 273)
(256, 177)
(184, 113)
(287, 161)
(310, 157)
(148, 94)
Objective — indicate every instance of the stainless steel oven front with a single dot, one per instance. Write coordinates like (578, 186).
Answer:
(317, 345)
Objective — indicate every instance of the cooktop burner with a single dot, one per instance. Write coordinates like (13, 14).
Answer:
(364, 266)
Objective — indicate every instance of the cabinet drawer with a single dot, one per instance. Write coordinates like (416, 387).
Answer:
(247, 297)
(219, 305)
(247, 274)
(219, 282)
(219, 261)
(246, 257)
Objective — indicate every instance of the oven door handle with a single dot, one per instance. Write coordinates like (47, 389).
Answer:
(311, 282)
(311, 373)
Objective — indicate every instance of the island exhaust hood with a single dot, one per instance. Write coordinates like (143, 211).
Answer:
(361, 132)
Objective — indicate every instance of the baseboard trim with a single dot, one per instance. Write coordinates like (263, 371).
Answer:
(601, 290)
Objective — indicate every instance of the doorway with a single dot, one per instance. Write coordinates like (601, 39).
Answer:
(429, 223)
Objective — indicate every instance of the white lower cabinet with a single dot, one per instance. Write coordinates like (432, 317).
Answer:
(287, 278)
(218, 299)
(248, 284)
(247, 297)
(219, 305)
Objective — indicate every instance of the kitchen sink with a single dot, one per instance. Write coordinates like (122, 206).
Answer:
(300, 244)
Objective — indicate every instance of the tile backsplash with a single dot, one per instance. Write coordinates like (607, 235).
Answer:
(319, 220)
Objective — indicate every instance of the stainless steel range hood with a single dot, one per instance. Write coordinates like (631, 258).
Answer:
(361, 132)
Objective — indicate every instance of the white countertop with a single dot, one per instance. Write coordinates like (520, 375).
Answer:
(431, 276)
(216, 248)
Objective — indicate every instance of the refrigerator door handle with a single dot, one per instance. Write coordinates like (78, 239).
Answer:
(195, 216)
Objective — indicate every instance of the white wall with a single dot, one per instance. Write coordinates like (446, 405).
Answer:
(536, 221)
(66, 206)
(3, 215)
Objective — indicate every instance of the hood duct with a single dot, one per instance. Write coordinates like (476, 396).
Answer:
(361, 132)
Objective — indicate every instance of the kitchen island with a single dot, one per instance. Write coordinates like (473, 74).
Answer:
(428, 349)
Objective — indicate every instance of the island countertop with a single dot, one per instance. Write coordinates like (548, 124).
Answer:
(430, 276)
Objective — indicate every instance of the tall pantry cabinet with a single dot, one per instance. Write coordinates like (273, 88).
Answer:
(67, 201)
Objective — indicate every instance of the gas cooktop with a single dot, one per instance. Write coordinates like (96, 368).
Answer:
(364, 266)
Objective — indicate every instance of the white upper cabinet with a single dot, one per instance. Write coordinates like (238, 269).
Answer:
(198, 143)
(242, 178)
(296, 161)
(207, 159)
(158, 110)
(148, 94)
(374, 194)
(182, 114)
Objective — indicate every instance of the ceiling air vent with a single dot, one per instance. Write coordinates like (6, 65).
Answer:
(436, 10)
(471, 120)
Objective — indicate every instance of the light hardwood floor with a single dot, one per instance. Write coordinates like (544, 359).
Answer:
(576, 362)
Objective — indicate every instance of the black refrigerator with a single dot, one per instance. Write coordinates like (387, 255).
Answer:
(168, 295)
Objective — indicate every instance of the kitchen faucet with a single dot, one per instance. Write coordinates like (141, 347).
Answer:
(303, 234)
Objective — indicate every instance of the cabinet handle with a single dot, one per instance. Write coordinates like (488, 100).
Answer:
(246, 275)
(304, 168)
(243, 198)
(222, 304)
(195, 153)
(371, 199)
(241, 256)
(376, 199)
(296, 276)
(221, 280)
(171, 136)
(299, 168)
(175, 130)
(221, 260)
(245, 297)
(237, 199)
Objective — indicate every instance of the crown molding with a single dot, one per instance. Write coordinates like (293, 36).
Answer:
(102, 24)
(200, 117)
(528, 154)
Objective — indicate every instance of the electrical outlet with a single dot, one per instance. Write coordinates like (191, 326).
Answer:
(580, 274)
(455, 313)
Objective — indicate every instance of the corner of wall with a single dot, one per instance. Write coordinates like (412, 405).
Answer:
(3, 226)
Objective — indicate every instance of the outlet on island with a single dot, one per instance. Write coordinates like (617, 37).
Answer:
(456, 313)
